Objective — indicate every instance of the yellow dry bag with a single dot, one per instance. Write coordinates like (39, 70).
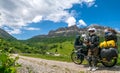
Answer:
(106, 44)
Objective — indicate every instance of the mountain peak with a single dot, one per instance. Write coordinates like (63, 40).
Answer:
(65, 31)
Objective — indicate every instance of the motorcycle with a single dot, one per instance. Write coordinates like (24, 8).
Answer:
(108, 57)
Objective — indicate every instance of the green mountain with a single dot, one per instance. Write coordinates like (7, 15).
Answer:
(5, 35)
(60, 39)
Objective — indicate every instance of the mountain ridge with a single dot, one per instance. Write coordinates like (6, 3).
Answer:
(72, 31)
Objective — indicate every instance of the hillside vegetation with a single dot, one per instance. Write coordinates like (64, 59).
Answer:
(7, 62)
(56, 48)
(57, 45)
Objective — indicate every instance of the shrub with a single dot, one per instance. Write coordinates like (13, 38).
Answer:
(7, 62)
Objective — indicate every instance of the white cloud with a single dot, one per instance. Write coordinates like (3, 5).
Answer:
(13, 31)
(89, 3)
(71, 21)
(17, 14)
(31, 28)
(37, 19)
(81, 23)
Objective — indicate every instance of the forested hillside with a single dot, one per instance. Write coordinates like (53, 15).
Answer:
(50, 47)
(59, 41)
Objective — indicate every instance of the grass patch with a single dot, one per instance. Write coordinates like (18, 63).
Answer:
(81, 72)
(62, 48)
(118, 62)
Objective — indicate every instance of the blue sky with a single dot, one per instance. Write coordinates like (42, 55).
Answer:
(25, 19)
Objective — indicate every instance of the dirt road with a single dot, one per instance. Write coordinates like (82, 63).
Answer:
(37, 65)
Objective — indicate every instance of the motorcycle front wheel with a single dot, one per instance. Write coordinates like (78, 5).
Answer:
(77, 58)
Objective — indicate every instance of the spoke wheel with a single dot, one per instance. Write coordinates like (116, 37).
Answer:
(110, 63)
(77, 59)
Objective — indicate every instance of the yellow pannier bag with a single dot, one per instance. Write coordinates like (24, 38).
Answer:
(106, 44)
(103, 44)
(111, 43)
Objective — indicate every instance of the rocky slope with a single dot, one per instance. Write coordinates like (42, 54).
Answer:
(72, 31)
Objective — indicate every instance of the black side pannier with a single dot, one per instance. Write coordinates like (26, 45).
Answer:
(109, 53)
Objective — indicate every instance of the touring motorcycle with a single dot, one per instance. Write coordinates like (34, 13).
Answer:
(107, 56)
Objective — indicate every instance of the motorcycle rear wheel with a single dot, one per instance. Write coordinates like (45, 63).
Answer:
(110, 63)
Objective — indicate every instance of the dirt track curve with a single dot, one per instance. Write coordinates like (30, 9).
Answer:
(37, 65)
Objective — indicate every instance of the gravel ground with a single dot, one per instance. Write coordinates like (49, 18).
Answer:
(37, 65)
